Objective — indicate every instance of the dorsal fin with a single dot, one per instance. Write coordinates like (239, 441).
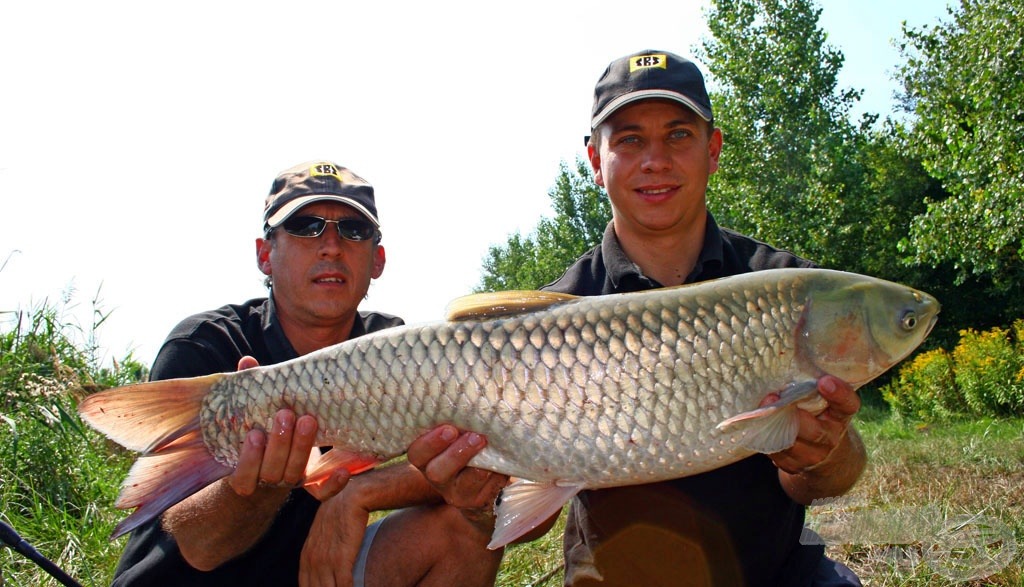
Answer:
(499, 304)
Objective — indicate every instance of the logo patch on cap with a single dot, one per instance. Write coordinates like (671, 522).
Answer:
(647, 62)
(325, 169)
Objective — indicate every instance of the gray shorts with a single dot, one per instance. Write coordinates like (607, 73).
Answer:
(359, 572)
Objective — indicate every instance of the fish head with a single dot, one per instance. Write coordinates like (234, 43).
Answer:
(856, 327)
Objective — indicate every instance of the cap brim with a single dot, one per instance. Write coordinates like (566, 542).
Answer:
(648, 95)
(291, 207)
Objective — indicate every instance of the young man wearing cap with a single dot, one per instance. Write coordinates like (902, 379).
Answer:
(653, 146)
(320, 250)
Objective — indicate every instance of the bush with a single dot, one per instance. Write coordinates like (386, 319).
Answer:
(988, 367)
(983, 376)
(926, 388)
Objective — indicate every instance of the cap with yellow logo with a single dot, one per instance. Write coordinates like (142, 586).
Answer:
(317, 181)
(650, 74)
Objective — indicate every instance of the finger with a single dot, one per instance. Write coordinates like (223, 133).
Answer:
(279, 443)
(815, 431)
(443, 468)
(843, 401)
(331, 486)
(247, 362)
(303, 437)
(246, 476)
(475, 489)
(431, 444)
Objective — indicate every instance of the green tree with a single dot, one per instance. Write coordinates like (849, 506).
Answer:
(790, 152)
(582, 212)
(964, 83)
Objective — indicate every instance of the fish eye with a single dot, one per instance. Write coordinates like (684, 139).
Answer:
(909, 320)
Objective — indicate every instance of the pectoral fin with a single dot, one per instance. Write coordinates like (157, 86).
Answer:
(774, 427)
(332, 460)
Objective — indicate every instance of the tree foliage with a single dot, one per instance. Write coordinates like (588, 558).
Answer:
(582, 212)
(789, 155)
(964, 83)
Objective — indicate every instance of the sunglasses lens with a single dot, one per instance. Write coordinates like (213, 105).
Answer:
(354, 229)
(306, 226)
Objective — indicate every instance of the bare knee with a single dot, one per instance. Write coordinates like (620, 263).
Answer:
(433, 545)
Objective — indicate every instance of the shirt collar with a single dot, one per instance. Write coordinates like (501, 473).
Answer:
(625, 275)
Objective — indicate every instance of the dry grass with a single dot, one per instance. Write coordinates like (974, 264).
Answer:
(942, 505)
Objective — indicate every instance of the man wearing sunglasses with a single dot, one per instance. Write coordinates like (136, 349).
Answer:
(319, 251)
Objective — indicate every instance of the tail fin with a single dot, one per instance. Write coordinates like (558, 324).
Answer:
(161, 420)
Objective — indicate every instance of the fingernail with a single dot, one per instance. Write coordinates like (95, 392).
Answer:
(255, 438)
(306, 426)
(282, 424)
(828, 386)
(474, 439)
(448, 433)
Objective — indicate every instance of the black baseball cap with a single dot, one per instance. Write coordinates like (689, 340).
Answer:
(317, 181)
(650, 74)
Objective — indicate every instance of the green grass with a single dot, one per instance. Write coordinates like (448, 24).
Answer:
(63, 508)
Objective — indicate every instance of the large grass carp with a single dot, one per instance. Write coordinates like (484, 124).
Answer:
(572, 392)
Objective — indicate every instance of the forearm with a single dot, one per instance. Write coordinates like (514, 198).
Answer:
(392, 487)
(216, 524)
(402, 485)
(833, 476)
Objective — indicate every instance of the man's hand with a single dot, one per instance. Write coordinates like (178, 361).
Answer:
(821, 433)
(280, 458)
(442, 455)
(247, 501)
(333, 543)
(828, 455)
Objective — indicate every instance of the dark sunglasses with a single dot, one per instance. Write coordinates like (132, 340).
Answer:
(353, 229)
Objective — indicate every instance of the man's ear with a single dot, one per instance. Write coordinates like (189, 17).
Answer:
(379, 259)
(263, 248)
(714, 150)
(595, 163)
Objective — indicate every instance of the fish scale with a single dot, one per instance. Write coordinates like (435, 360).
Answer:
(572, 393)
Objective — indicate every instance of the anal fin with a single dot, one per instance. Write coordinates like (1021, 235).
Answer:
(524, 505)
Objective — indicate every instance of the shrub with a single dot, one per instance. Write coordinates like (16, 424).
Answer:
(983, 376)
(926, 388)
(987, 366)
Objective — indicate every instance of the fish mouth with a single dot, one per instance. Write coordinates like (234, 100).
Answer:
(931, 306)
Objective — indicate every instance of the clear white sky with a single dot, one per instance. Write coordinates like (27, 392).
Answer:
(138, 139)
